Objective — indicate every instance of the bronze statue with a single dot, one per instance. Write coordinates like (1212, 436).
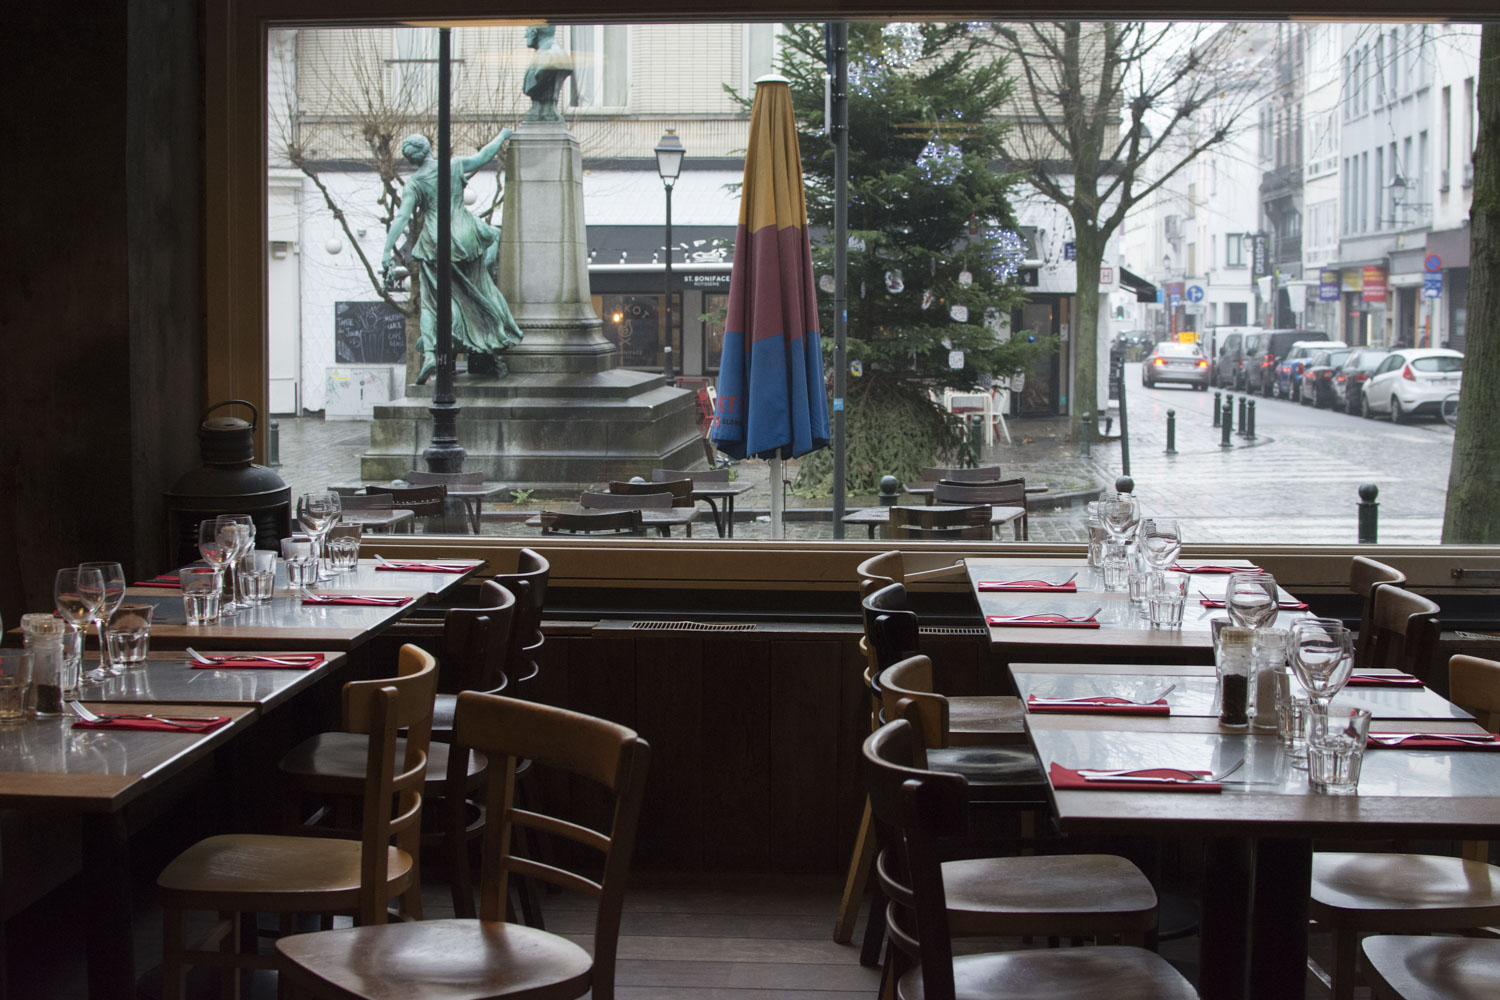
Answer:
(548, 72)
(482, 322)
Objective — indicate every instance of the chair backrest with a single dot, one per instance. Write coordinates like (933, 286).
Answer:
(380, 708)
(627, 501)
(477, 642)
(507, 730)
(604, 522)
(881, 570)
(912, 807)
(910, 681)
(422, 501)
(1474, 685)
(681, 490)
(419, 478)
(698, 476)
(1403, 634)
(1365, 577)
(981, 474)
(935, 523)
(362, 501)
(889, 625)
(1004, 493)
(529, 584)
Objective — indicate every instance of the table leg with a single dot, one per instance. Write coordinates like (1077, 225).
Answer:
(1224, 926)
(109, 944)
(1278, 958)
(729, 516)
(714, 509)
(472, 506)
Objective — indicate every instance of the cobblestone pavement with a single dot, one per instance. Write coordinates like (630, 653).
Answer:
(1296, 482)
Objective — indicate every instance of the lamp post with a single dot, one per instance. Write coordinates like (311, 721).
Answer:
(669, 154)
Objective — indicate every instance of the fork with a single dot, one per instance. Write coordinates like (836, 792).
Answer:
(386, 562)
(88, 716)
(297, 661)
(1397, 738)
(1050, 615)
(1086, 699)
(1133, 774)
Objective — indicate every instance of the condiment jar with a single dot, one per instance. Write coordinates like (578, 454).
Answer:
(1235, 669)
(44, 637)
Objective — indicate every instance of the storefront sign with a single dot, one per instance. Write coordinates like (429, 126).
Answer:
(1353, 279)
(1374, 283)
(715, 281)
(1328, 285)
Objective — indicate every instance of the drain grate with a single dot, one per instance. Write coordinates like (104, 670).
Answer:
(693, 627)
(953, 630)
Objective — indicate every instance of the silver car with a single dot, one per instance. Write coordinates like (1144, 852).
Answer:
(1175, 362)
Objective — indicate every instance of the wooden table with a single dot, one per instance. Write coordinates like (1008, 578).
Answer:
(874, 517)
(284, 624)
(169, 678)
(709, 492)
(365, 578)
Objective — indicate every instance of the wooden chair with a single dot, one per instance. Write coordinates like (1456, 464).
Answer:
(604, 522)
(933, 524)
(1007, 493)
(491, 957)
(238, 874)
(931, 902)
(980, 474)
(1365, 577)
(890, 567)
(952, 722)
(696, 475)
(418, 478)
(1355, 893)
(529, 584)
(635, 502)
(1432, 968)
(1403, 634)
(378, 511)
(681, 491)
(424, 502)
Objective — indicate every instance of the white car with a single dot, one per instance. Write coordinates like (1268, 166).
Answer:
(1412, 381)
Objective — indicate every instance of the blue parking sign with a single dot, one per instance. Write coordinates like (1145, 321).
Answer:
(1432, 285)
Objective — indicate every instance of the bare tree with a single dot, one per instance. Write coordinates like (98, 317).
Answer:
(1107, 113)
(1473, 516)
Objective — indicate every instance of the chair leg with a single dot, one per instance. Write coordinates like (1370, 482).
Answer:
(229, 977)
(1345, 944)
(456, 841)
(869, 952)
(173, 972)
(856, 880)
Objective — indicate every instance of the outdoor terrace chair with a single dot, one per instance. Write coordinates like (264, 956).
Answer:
(372, 513)
(604, 522)
(980, 474)
(681, 491)
(425, 502)
(492, 957)
(632, 501)
(696, 475)
(932, 524)
(1006, 493)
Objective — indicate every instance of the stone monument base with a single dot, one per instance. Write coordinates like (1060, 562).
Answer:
(546, 429)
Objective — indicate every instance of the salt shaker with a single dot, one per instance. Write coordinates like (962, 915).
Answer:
(44, 637)
(1234, 666)
(1267, 657)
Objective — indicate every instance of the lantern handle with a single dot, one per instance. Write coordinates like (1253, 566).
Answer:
(231, 402)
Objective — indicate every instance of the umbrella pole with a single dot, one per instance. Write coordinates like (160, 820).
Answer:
(839, 125)
(778, 500)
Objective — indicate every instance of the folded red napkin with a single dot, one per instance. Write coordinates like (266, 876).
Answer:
(1043, 621)
(167, 581)
(250, 661)
(1435, 741)
(1060, 588)
(1104, 704)
(209, 724)
(1384, 680)
(379, 602)
(1216, 569)
(1209, 602)
(1071, 779)
(421, 567)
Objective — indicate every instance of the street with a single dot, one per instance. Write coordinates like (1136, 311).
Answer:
(1296, 482)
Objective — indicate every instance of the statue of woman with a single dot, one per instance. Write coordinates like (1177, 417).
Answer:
(482, 322)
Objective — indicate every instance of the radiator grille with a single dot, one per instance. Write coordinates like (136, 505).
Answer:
(953, 630)
(692, 627)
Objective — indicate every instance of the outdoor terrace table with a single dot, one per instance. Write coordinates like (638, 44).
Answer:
(709, 492)
(875, 517)
(926, 490)
(663, 519)
(471, 495)
(376, 520)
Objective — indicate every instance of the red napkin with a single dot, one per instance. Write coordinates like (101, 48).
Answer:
(1209, 602)
(421, 567)
(373, 602)
(1434, 741)
(1060, 588)
(166, 581)
(1067, 779)
(210, 723)
(1217, 569)
(252, 662)
(1384, 680)
(1042, 621)
(1104, 704)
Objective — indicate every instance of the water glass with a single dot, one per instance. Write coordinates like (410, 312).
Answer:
(259, 584)
(72, 662)
(1116, 564)
(301, 573)
(200, 595)
(1336, 739)
(129, 634)
(1097, 535)
(1137, 578)
(1166, 597)
(343, 547)
(1292, 712)
(15, 684)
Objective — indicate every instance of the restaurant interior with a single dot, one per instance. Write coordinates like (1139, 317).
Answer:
(136, 300)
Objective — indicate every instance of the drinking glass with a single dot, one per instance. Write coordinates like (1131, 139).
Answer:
(1121, 514)
(316, 513)
(1336, 743)
(241, 529)
(301, 568)
(1250, 599)
(114, 592)
(213, 546)
(77, 593)
(1322, 656)
(1160, 542)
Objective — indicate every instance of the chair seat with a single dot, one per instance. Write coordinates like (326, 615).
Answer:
(1433, 968)
(995, 774)
(257, 872)
(436, 960)
(1074, 895)
(1400, 892)
(1119, 973)
(986, 721)
(330, 762)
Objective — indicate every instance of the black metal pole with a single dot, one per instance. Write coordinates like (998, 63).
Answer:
(1243, 400)
(1228, 425)
(667, 301)
(1218, 401)
(1124, 424)
(1249, 426)
(444, 454)
(1369, 514)
(838, 32)
(1171, 432)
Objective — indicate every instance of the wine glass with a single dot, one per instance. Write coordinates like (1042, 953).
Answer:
(213, 546)
(113, 575)
(241, 529)
(1160, 542)
(317, 512)
(1121, 514)
(77, 594)
(1322, 657)
(1250, 599)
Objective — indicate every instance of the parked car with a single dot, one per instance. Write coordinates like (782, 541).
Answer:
(1228, 366)
(1175, 362)
(1411, 382)
(1287, 375)
(1318, 374)
(1263, 350)
(1351, 376)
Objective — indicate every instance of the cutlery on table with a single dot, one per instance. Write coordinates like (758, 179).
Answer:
(1052, 617)
(1394, 739)
(1134, 774)
(88, 716)
(335, 598)
(294, 660)
(387, 562)
(1090, 699)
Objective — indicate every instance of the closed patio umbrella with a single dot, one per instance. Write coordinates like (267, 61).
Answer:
(772, 402)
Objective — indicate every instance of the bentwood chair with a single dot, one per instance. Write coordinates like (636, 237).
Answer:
(604, 522)
(979, 474)
(1432, 968)
(931, 902)
(1007, 493)
(424, 502)
(454, 508)
(931, 523)
(1365, 577)
(681, 491)
(1403, 634)
(696, 475)
(244, 873)
(490, 957)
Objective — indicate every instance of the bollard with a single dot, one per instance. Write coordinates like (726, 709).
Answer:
(1218, 402)
(1086, 429)
(1369, 513)
(1228, 414)
(1250, 421)
(1171, 432)
(1243, 401)
(1228, 426)
(1124, 484)
(273, 445)
(890, 491)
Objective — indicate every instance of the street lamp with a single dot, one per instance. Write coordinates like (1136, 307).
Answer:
(669, 154)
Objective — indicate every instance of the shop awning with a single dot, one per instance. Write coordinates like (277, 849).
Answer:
(1144, 290)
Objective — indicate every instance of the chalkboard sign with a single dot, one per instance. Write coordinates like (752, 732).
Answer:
(370, 333)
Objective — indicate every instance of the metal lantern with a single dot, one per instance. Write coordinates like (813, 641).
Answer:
(228, 482)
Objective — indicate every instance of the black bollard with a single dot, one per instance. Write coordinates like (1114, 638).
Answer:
(1171, 432)
(1124, 484)
(273, 445)
(1228, 426)
(1249, 424)
(890, 491)
(1086, 429)
(1243, 401)
(1369, 513)
(1218, 402)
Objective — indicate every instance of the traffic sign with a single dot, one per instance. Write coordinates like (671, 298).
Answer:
(1433, 263)
(1195, 293)
(1432, 286)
